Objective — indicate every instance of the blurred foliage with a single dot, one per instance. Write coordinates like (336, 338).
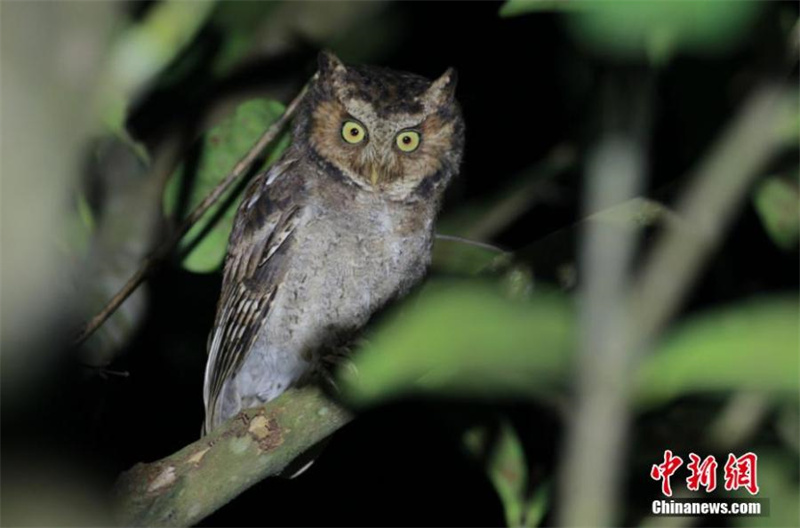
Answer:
(513, 8)
(252, 30)
(120, 230)
(458, 257)
(81, 226)
(221, 148)
(464, 338)
(143, 50)
(239, 22)
(777, 202)
(503, 457)
(788, 425)
(790, 127)
(43, 490)
(484, 218)
(656, 29)
(777, 480)
(537, 506)
(748, 346)
(51, 56)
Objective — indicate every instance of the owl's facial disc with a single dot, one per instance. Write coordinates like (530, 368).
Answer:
(373, 155)
(385, 131)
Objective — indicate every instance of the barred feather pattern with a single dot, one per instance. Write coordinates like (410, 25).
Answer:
(252, 274)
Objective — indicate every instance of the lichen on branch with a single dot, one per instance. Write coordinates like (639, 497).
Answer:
(187, 486)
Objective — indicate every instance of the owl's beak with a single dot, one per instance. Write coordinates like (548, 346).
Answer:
(379, 172)
(374, 176)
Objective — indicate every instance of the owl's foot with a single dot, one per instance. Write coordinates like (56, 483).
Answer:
(338, 358)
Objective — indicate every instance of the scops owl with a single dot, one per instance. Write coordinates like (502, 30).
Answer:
(342, 224)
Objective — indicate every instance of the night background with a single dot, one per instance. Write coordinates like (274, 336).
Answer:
(106, 111)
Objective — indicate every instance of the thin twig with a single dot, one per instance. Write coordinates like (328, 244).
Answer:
(529, 188)
(473, 243)
(165, 248)
(104, 372)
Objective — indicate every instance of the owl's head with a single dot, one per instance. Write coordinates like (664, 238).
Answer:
(386, 131)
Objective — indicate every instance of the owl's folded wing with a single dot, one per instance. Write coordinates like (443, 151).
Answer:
(254, 267)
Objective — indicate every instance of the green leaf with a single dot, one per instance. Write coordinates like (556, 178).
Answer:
(751, 347)
(507, 469)
(657, 29)
(777, 202)
(465, 339)
(222, 147)
(538, 505)
(514, 8)
(505, 466)
(462, 257)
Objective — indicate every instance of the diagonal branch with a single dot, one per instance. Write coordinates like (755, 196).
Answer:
(166, 247)
(187, 486)
(708, 205)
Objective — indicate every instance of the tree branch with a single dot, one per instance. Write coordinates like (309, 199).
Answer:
(616, 172)
(185, 487)
(171, 242)
(707, 207)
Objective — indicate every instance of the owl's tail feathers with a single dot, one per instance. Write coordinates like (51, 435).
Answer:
(218, 410)
(211, 407)
(209, 423)
(206, 429)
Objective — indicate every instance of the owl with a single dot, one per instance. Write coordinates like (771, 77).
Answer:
(337, 228)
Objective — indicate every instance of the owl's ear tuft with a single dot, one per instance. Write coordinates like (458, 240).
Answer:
(441, 91)
(329, 64)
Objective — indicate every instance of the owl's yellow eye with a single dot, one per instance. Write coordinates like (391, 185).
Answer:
(353, 132)
(408, 141)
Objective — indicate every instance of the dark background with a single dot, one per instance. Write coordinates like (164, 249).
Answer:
(525, 88)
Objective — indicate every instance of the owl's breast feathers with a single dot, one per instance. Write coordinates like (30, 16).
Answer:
(315, 255)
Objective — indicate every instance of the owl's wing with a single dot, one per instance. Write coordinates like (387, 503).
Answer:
(254, 267)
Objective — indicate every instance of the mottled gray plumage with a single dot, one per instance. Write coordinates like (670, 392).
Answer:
(331, 232)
